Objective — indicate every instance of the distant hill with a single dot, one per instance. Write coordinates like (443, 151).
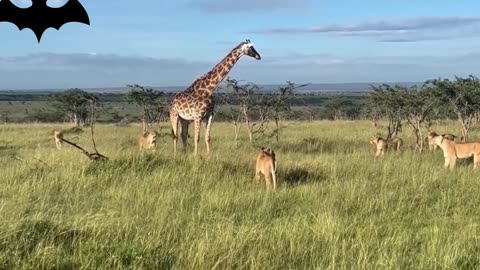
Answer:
(315, 87)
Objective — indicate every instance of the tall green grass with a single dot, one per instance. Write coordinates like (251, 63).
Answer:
(336, 207)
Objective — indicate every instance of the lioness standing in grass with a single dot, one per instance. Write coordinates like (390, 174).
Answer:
(452, 150)
(58, 137)
(266, 165)
(382, 145)
(148, 140)
(431, 134)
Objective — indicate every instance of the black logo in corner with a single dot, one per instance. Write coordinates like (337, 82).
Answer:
(39, 16)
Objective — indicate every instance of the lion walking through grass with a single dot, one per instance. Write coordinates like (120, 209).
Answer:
(148, 140)
(267, 165)
(453, 151)
(58, 137)
(383, 145)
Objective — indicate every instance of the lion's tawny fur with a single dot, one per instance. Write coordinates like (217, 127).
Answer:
(431, 145)
(453, 150)
(58, 136)
(267, 165)
(383, 145)
(148, 140)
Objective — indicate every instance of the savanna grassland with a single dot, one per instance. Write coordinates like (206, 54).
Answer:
(336, 207)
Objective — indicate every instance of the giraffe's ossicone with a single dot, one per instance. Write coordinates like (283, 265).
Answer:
(196, 102)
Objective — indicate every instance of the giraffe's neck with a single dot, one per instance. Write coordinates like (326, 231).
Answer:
(208, 83)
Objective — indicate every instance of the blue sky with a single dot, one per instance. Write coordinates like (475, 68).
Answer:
(170, 43)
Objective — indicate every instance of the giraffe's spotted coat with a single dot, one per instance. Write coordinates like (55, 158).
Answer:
(196, 103)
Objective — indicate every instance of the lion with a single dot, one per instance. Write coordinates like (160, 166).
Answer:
(382, 145)
(431, 145)
(148, 140)
(453, 150)
(266, 165)
(58, 136)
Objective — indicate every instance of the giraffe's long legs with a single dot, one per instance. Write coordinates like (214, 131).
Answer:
(197, 123)
(208, 125)
(174, 121)
(184, 124)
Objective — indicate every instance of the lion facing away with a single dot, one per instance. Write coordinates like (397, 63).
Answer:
(431, 134)
(383, 145)
(148, 140)
(58, 137)
(267, 165)
(453, 151)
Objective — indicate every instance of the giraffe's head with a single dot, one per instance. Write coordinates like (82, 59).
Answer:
(247, 48)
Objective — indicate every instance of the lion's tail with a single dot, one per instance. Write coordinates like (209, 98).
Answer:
(273, 169)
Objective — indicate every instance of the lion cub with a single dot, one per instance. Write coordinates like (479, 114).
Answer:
(266, 165)
(453, 151)
(148, 140)
(431, 134)
(382, 145)
(58, 136)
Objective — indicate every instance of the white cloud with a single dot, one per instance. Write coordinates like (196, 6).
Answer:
(404, 30)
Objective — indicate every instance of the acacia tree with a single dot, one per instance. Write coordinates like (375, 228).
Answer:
(463, 96)
(153, 106)
(417, 105)
(385, 100)
(74, 103)
(339, 108)
(373, 113)
(279, 104)
(249, 105)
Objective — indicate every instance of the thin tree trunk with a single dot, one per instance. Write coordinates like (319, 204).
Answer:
(238, 124)
(249, 130)
(277, 125)
(250, 133)
(465, 130)
(415, 122)
(144, 119)
(247, 123)
(420, 136)
(75, 119)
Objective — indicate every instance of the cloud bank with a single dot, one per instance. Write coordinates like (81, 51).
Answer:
(404, 30)
(49, 70)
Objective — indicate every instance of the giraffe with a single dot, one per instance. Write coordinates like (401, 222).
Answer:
(196, 102)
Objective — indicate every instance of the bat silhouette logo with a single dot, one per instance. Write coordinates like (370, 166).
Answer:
(39, 17)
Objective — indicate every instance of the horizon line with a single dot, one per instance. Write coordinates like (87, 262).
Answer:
(184, 87)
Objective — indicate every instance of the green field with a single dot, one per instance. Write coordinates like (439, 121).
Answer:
(336, 207)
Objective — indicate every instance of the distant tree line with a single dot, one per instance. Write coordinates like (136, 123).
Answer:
(248, 105)
(417, 106)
